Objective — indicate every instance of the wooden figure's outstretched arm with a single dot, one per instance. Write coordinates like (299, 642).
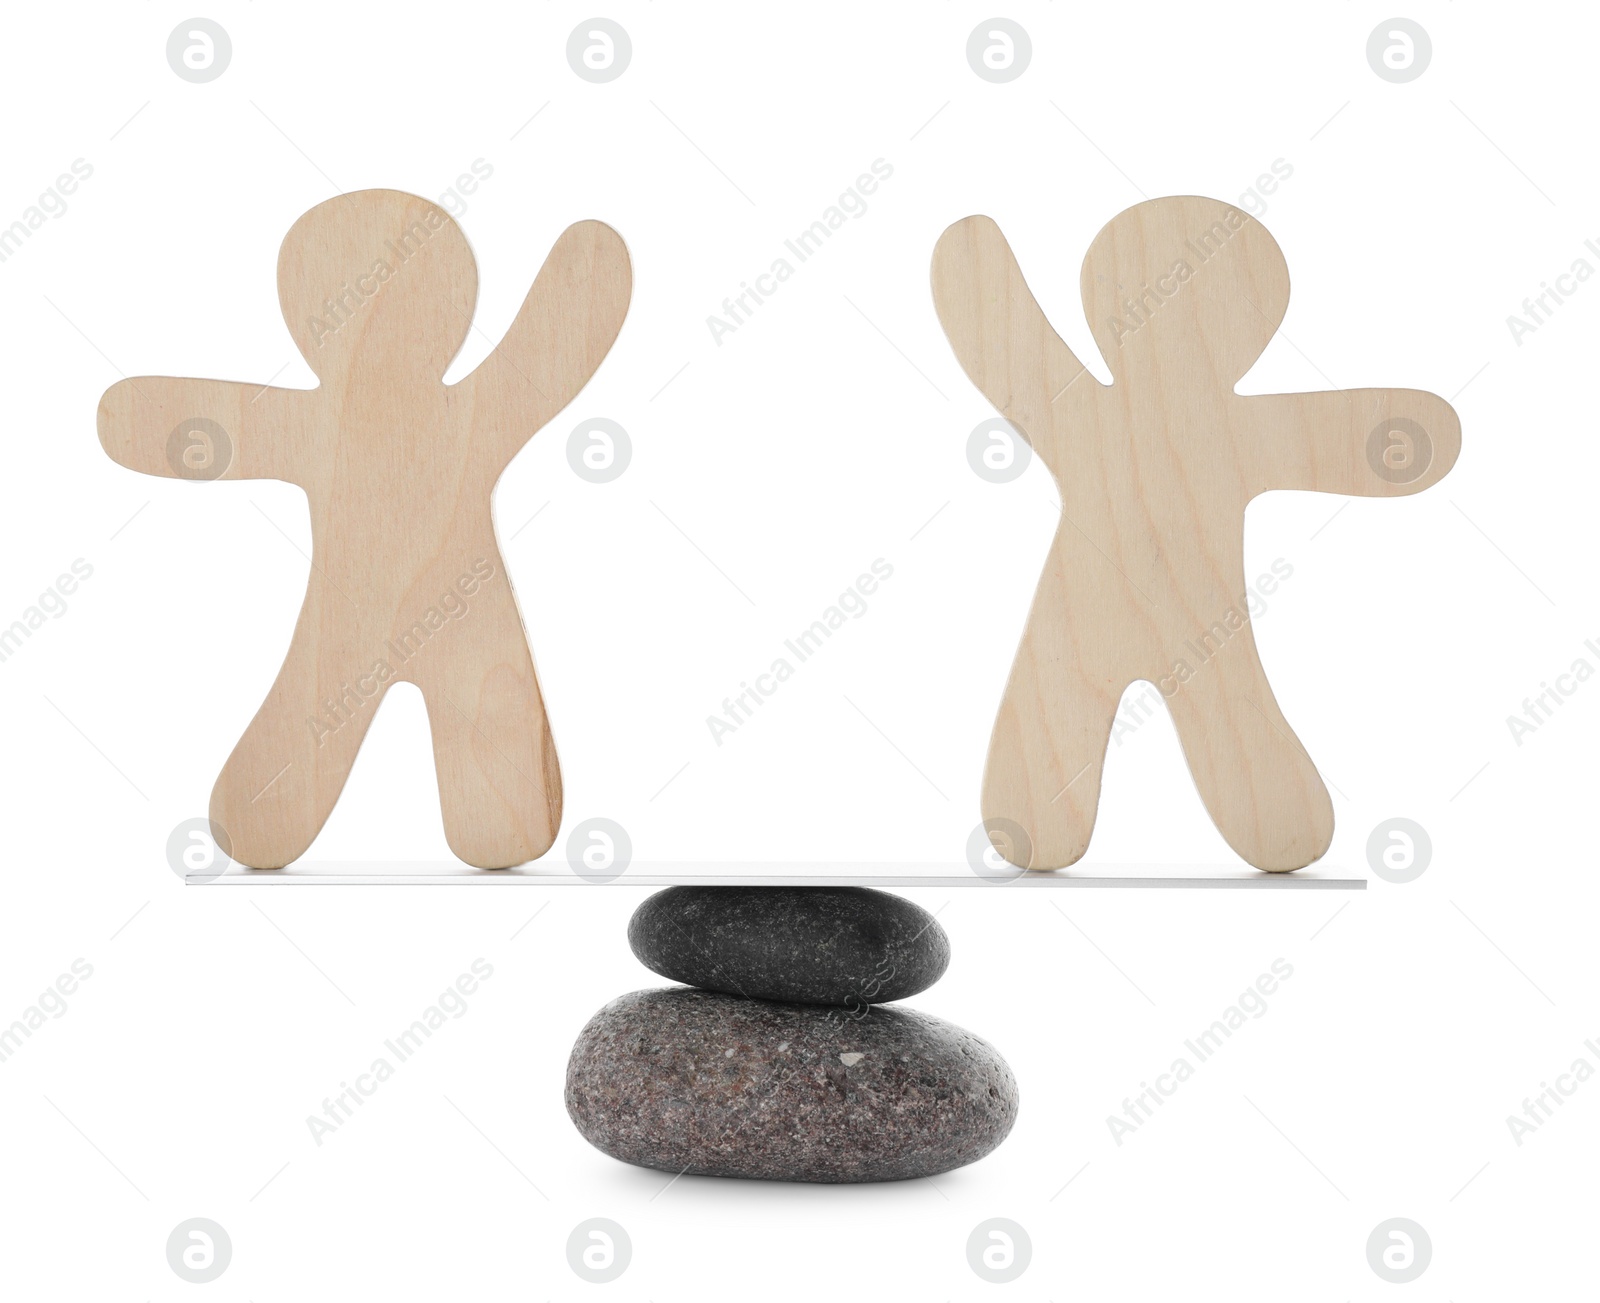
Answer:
(1000, 334)
(209, 429)
(1377, 443)
(561, 334)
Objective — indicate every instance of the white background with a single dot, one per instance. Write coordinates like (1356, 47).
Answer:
(806, 445)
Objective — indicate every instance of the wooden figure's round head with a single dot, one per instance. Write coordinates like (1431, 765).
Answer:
(377, 283)
(1184, 283)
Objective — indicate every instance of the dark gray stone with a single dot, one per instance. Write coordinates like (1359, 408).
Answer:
(715, 1085)
(845, 946)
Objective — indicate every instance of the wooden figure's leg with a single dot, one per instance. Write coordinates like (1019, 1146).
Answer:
(1256, 780)
(282, 780)
(499, 780)
(1050, 737)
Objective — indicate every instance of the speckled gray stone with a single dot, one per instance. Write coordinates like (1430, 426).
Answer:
(716, 1085)
(845, 946)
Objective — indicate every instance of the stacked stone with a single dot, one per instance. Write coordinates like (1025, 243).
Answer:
(782, 1059)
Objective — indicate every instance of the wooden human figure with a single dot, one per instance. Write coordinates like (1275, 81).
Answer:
(407, 582)
(1145, 577)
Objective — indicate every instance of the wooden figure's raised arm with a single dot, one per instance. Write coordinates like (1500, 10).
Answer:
(561, 334)
(1000, 334)
(209, 429)
(1374, 443)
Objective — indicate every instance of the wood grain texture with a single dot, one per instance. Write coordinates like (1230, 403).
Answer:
(1145, 577)
(407, 582)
